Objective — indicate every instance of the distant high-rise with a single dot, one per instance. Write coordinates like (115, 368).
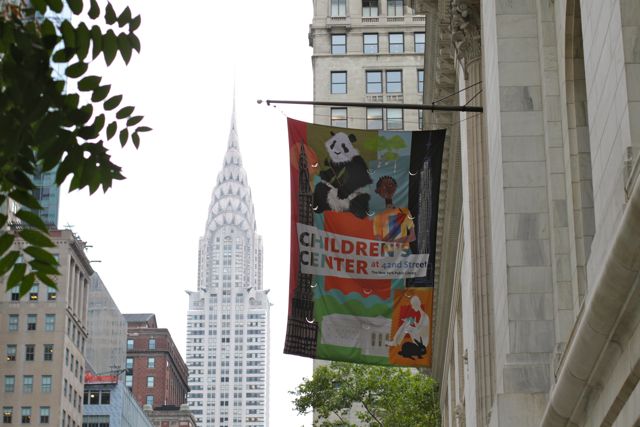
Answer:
(228, 318)
(48, 194)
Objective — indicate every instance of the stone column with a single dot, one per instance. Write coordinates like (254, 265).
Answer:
(465, 27)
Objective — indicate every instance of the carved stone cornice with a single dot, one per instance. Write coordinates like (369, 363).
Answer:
(465, 29)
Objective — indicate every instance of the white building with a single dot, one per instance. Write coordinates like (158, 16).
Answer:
(228, 318)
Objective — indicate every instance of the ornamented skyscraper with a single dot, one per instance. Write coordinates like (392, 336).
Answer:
(228, 318)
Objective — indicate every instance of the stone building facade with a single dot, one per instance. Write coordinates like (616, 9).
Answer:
(536, 312)
(43, 337)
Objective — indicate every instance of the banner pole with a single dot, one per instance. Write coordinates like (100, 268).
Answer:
(461, 108)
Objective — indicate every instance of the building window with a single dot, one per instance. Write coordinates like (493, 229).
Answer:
(338, 44)
(29, 353)
(49, 322)
(7, 414)
(394, 8)
(33, 293)
(44, 415)
(129, 344)
(48, 353)
(150, 399)
(338, 8)
(374, 81)
(15, 295)
(12, 350)
(150, 381)
(374, 118)
(27, 383)
(152, 344)
(370, 42)
(420, 81)
(369, 8)
(338, 82)
(151, 362)
(13, 322)
(9, 383)
(31, 322)
(45, 385)
(418, 40)
(52, 294)
(128, 381)
(421, 120)
(396, 42)
(394, 119)
(129, 364)
(26, 415)
(339, 117)
(394, 81)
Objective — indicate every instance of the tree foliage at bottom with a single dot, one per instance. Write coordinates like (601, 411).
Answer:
(377, 396)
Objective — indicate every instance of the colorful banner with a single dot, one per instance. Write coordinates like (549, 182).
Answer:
(364, 207)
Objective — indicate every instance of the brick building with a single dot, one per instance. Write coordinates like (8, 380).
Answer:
(155, 371)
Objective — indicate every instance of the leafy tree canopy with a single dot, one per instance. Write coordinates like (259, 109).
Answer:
(43, 126)
(380, 396)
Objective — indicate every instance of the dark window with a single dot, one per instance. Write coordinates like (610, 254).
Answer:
(31, 322)
(44, 415)
(48, 352)
(338, 44)
(30, 351)
(369, 8)
(26, 414)
(370, 42)
(7, 414)
(12, 350)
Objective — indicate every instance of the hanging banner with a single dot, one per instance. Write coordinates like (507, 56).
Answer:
(364, 207)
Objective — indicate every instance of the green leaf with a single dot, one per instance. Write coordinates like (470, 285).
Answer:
(136, 139)
(55, 5)
(124, 17)
(43, 267)
(124, 112)
(143, 129)
(27, 283)
(63, 55)
(16, 276)
(6, 240)
(94, 9)
(77, 69)
(41, 255)
(46, 280)
(96, 41)
(125, 47)
(68, 34)
(124, 136)
(46, 27)
(7, 261)
(134, 24)
(111, 129)
(109, 46)
(132, 121)
(32, 219)
(39, 5)
(112, 102)
(83, 39)
(134, 41)
(100, 93)
(36, 238)
(110, 15)
(75, 6)
(25, 199)
(89, 83)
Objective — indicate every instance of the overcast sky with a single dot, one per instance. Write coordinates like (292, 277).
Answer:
(144, 232)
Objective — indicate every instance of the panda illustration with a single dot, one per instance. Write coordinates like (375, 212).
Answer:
(344, 180)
